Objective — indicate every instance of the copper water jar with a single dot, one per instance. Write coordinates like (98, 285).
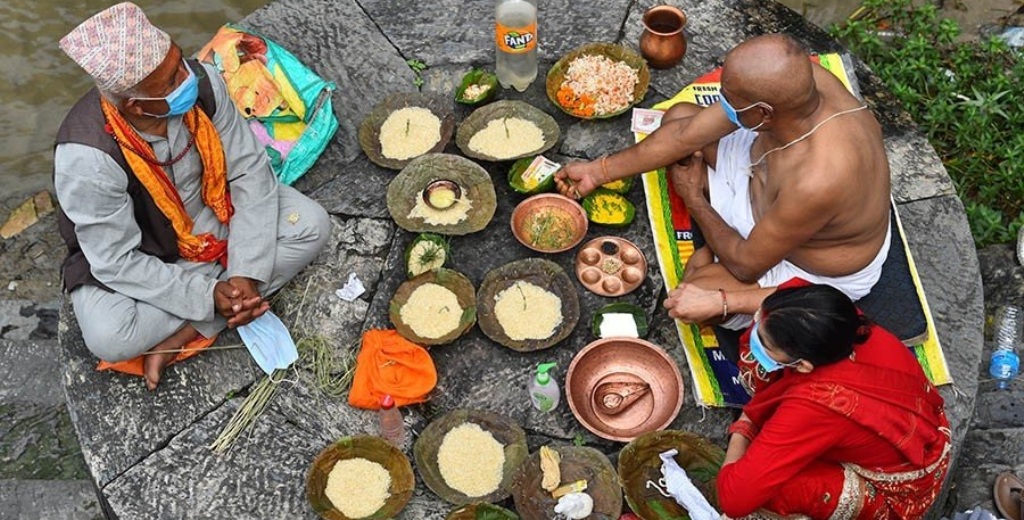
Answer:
(663, 43)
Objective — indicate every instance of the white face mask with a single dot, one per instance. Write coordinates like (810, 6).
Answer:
(269, 343)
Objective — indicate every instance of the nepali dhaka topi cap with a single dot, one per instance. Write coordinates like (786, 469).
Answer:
(118, 47)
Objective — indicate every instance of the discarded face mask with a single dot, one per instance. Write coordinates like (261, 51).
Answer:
(269, 343)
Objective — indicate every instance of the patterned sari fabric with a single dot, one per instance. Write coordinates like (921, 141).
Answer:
(901, 405)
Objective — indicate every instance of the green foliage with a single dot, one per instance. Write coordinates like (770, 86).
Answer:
(417, 66)
(965, 95)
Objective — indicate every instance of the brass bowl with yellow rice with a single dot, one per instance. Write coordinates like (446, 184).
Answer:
(366, 448)
(469, 469)
(472, 211)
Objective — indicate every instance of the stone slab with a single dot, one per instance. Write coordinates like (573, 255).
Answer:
(37, 440)
(48, 500)
(30, 373)
(25, 319)
(462, 31)
(943, 250)
(119, 422)
(986, 453)
(184, 479)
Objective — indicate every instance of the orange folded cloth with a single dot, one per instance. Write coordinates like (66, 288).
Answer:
(389, 364)
(134, 365)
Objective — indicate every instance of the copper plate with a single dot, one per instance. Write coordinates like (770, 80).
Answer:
(611, 266)
(625, 360)
(549, 201)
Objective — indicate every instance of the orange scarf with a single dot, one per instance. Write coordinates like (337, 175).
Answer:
(197, 248)
(202, 248)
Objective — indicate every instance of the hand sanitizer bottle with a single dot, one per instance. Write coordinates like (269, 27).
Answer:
(544, 391)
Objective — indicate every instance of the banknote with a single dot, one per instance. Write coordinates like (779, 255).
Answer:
(645, 120)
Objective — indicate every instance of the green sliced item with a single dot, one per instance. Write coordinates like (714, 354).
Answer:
(426, 252)
(639, 316)
(608, 208)
(620, 186)
(484, 80)
(516, 181)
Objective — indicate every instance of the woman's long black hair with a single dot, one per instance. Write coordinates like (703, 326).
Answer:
(816, 323)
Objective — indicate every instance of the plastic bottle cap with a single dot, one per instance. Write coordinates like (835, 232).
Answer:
(387, 402)
(542, 372)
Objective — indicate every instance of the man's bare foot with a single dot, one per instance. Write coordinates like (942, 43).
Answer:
(153, 365)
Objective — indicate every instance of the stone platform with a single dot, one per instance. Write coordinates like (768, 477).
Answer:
(147, 452)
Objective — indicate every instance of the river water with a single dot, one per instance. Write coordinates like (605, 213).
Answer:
(42, 83)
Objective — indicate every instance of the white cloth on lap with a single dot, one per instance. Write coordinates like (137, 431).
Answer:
(729, 187)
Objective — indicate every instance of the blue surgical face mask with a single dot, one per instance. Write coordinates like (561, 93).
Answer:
(269, 343)
(761, 355)
(734, 115)
(182, 99)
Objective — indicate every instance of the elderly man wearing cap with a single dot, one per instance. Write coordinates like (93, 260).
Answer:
(175, 224)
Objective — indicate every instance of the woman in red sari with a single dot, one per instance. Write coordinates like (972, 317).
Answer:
(843, 422)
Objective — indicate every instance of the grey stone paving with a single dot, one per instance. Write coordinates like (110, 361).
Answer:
(148, 452)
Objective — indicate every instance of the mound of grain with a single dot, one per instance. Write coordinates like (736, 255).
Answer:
(526, 311)
(507, 137)
(442, 217)
(470, 460)
(358, 487)
(408, 133)
(431, 311)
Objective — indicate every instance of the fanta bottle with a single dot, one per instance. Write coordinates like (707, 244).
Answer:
(516, 41)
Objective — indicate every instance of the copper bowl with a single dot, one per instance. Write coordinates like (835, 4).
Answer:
(624, 360)
(549, 223)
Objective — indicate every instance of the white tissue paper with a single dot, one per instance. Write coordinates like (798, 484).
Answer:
(575, 505)
(352, 289)
(618, 324)
(685, 493)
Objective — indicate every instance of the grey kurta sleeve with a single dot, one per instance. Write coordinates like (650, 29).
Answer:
(253, 228)
(93, 192)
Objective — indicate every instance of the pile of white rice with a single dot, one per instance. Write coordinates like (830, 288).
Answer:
(507, 137)
(441, 217)
(526, 311)
(610, 83)
(470, 460)
(409, 132)
(431, 311)
(358, 487)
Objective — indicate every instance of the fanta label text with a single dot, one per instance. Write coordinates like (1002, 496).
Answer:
(516, 40)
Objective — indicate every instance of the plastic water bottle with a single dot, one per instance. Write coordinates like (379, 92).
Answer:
(392, 427)
(544, 392)
(516, 42)
(1005, 365)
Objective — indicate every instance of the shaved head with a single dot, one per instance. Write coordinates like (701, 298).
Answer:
(773, 68)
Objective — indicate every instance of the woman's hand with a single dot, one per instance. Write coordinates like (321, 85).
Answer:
(577, 180)
(691, 304)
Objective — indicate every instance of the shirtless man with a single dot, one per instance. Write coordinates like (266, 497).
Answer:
(800, 189)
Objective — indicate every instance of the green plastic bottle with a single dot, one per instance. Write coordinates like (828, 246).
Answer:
(544, 392)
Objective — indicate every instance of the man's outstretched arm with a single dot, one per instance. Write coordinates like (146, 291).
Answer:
(675, 140)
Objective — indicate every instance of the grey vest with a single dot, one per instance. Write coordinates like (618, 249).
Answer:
(85, 124)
